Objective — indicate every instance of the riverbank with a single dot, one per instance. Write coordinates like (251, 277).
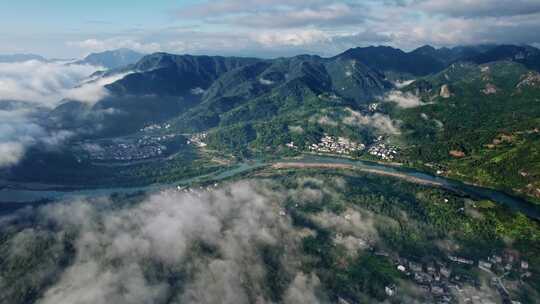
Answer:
(404, 176)
(13, 195)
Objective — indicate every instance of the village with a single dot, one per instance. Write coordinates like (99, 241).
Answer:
(155, 127)
(438, 278)
(344, 146)
(197, 190)
(198, 139)
(382, 150)
(337, 145)
(448, 279)
(129, 149)
(327, 145)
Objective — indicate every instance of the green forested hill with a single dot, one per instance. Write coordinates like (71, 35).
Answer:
(483, 129)
(478, 119)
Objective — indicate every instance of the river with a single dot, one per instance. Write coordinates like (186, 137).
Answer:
(22, 195)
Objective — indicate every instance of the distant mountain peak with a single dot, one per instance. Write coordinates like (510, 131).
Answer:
(112, 59)
(425, 48)
(389, 60)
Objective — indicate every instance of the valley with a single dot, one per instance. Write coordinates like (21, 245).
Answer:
(270, 152)
(382, 180)
(350, 223)
(443, 120)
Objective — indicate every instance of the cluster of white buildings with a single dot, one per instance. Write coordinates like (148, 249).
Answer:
(155, 127)
(339, 145)
(383, 151)
(130, 149)
(154, 140)
(128, 152)
(198, 139)
(197, 191)
(291, 145)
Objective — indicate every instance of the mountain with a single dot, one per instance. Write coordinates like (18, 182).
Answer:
(206, 91)
(479, 123)
(250, 105)
(112, 59)
(225, 90)
(319, 174)
(175, 75)
(526, 55)
(272, 88)
(446, 56)
(203, 92)
(394, 61)
(164, 86)
(21, 58)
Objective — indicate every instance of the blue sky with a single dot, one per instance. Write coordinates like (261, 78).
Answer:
(267, 28)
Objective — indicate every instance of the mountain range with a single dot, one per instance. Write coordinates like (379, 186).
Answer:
(204, 91)
(112, 59)
(446, 109)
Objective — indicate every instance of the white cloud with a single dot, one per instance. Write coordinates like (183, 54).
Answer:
(10, 153)
(403, 99)
(264, 81)
(40, 82)
(121, 253)
(401, 84)
(290, 37)
(302, 290)
(92, 91)
(380, 122)
(480, 8)
(99, 45)
(19, 129)
(29, 89)
(207, 26)
(326, 120)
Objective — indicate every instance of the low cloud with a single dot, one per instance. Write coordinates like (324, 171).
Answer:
(209, 241)
(303, 290)
(48, 83)
(10, 153)
(92, 91)
(264, 81)
(380, 122)
(45, 83)
(20, 128)
(403, 99)
(100, 45)
(401, 84)
(327, 120)
(28, 90)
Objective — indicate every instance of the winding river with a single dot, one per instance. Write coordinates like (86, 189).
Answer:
(20, 195)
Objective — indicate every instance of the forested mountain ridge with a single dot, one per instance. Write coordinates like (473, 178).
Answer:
(480, 122)
(442, 108)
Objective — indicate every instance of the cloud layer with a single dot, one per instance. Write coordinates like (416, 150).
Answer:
(402, 99)
(277, 27)
(382, 123)
(201, 247)
(20, 129)
(28, 90)
(47, 83)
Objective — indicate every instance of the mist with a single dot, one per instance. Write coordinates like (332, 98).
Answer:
(29, 90)
(382, 123)
(403, 99)
(201, 247)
